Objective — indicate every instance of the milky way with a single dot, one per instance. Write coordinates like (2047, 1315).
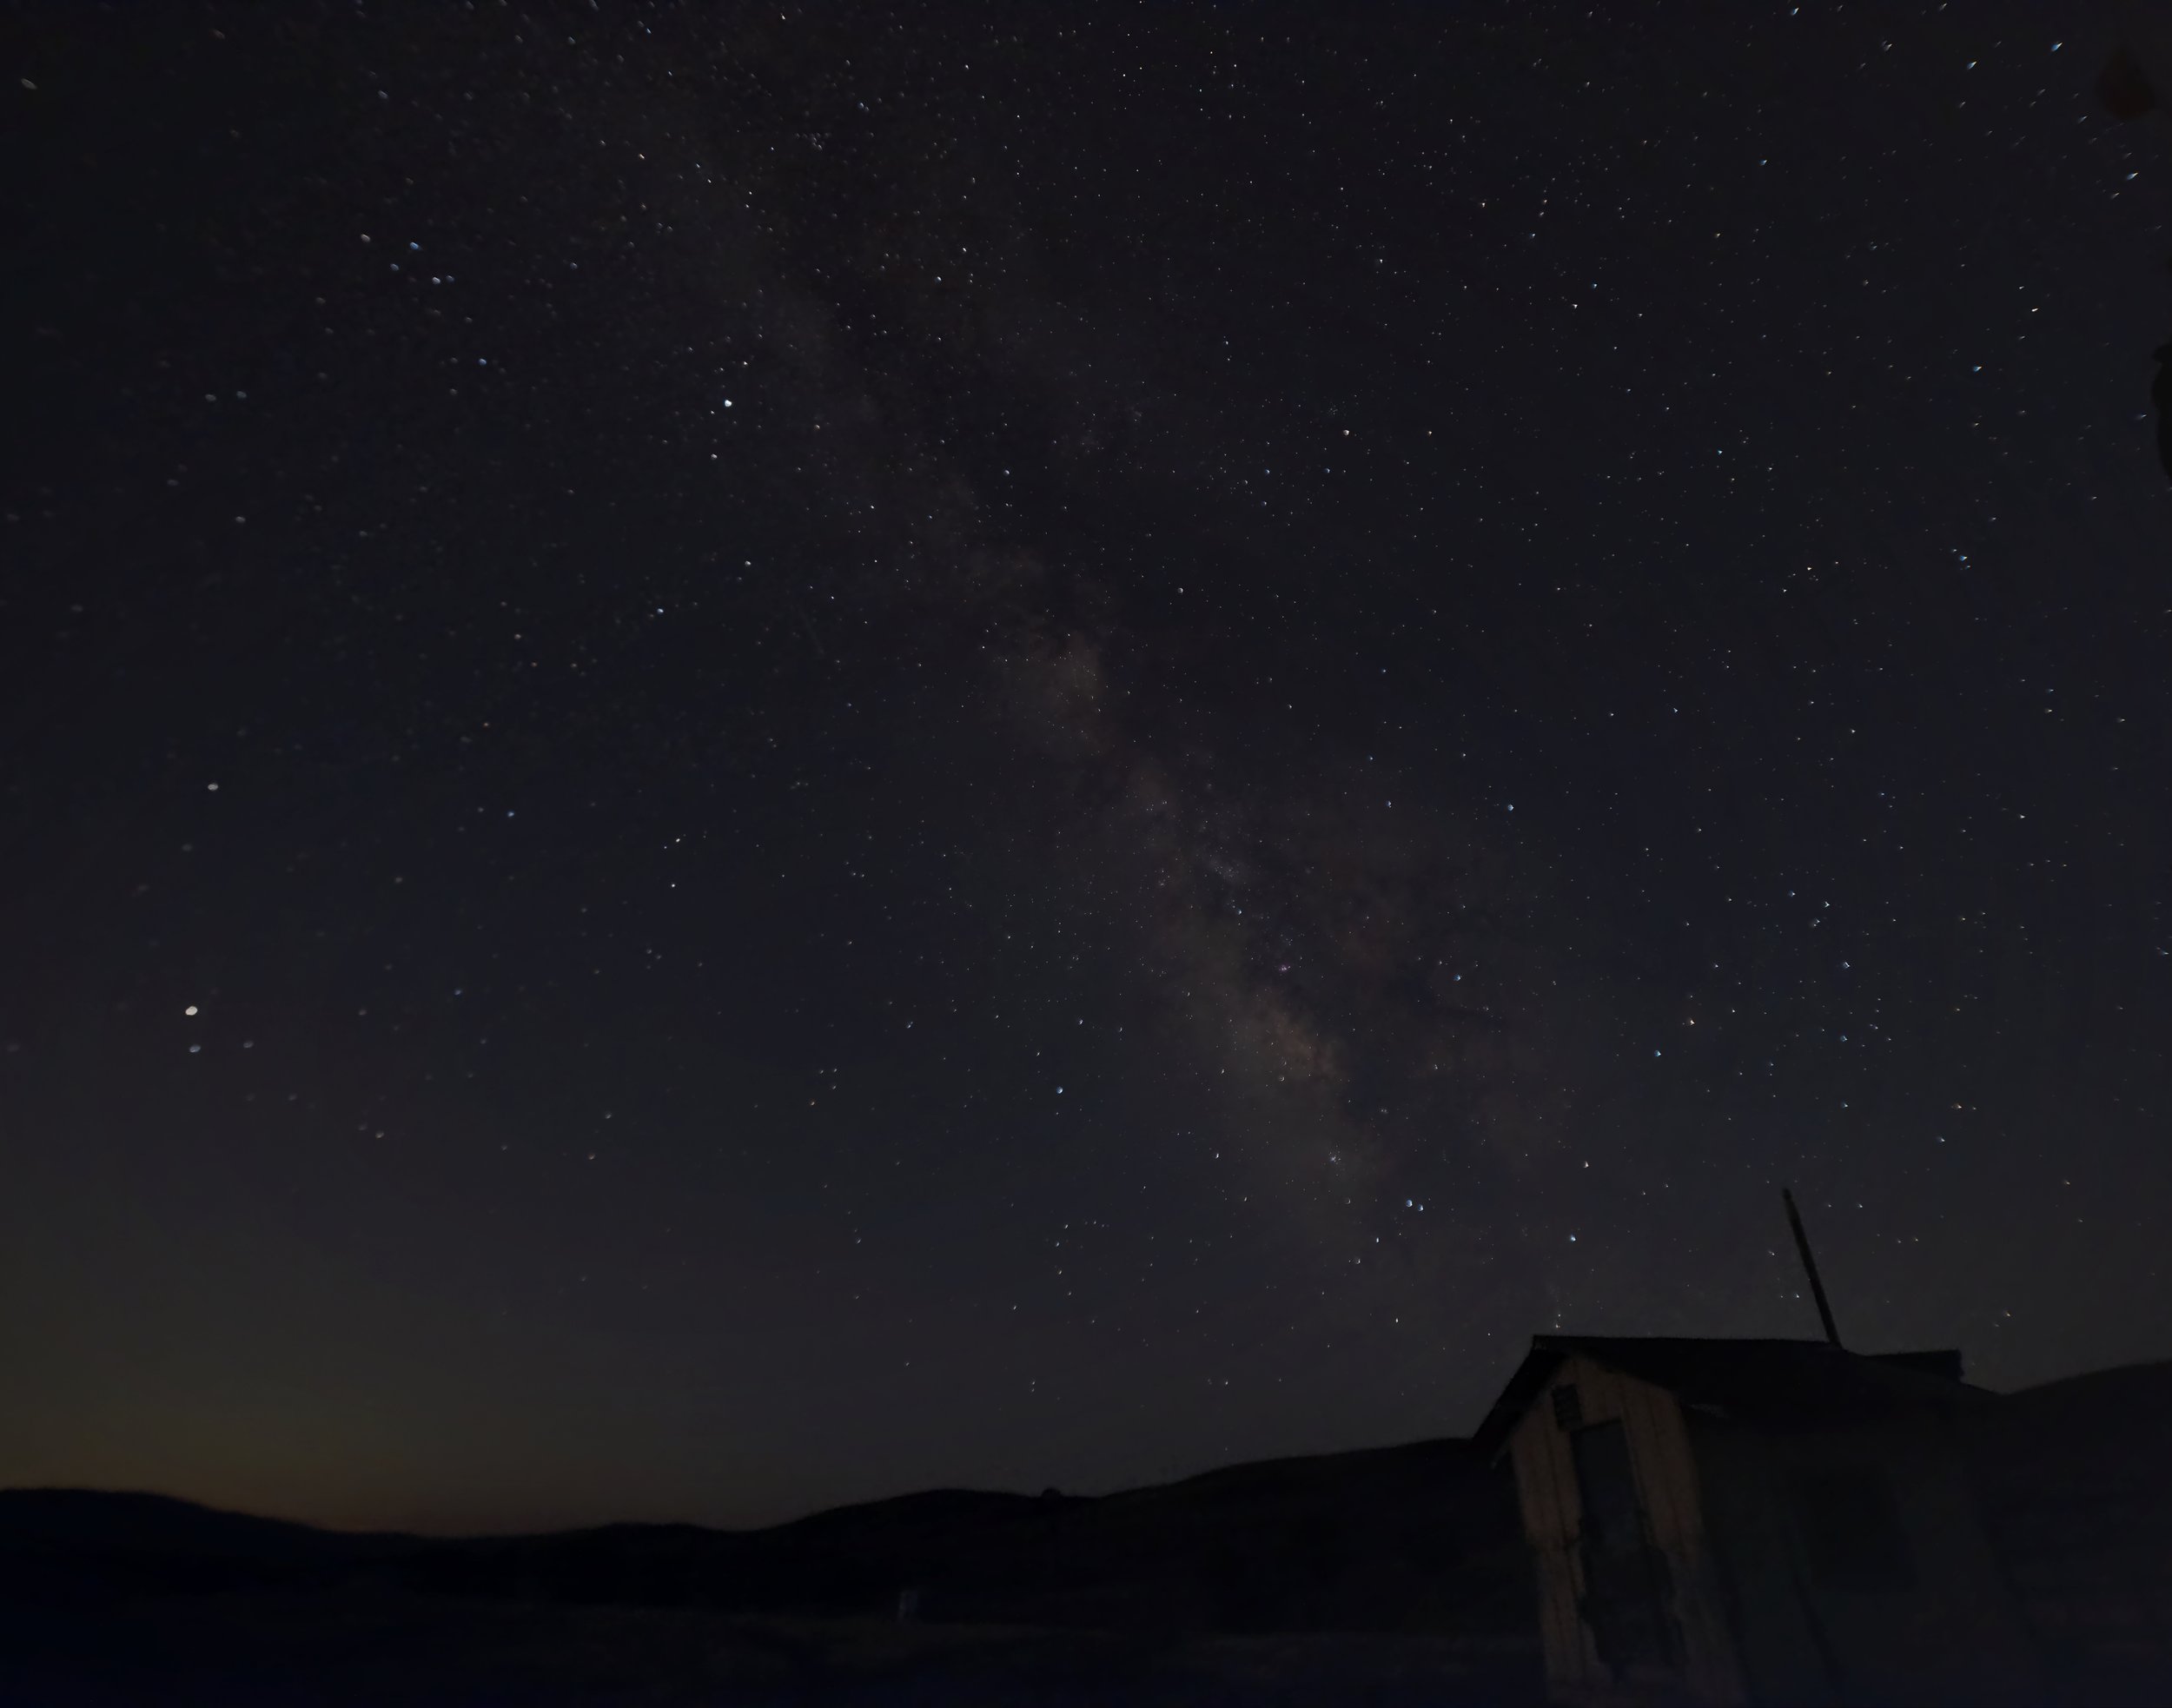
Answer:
(760, 758)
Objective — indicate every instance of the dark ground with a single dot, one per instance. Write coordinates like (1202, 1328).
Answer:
(1395, 1575)
(362, 1647)
(1381, 1576)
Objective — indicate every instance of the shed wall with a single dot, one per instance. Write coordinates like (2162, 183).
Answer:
(1952, 1631)
(1667, 1477)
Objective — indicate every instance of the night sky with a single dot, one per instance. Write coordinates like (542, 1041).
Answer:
(753, 758)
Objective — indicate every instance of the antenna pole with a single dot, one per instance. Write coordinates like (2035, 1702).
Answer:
(1809, 1266)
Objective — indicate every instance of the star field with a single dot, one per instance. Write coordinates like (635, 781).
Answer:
(756, 757)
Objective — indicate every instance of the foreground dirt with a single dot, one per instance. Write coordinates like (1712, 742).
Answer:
(354, 1648)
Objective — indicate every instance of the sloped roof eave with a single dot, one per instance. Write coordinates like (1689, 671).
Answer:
(1797, 1380)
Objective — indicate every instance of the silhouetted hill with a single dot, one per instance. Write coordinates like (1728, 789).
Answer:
(1419, 1537)
(1404, 1567)
(1423, 1536)
(1387, 1572)
(97, 1521)
(934, 1508)
(2136, 1392)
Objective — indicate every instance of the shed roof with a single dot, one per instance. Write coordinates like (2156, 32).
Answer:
(1773, 1383)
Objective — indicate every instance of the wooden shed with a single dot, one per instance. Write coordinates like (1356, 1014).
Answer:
(1757, 1521)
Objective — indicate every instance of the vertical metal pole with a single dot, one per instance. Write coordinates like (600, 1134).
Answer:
(1810, 1265)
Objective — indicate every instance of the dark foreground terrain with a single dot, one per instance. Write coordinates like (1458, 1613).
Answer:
(375, 1647)
(1392, 1576)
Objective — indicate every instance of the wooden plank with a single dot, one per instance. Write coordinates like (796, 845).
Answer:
(1536, 1445)
(1599, 1397)
(1678, 1527)
(1664, 1466)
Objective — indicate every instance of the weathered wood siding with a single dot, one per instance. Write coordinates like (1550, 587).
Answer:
(1667, 1484)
